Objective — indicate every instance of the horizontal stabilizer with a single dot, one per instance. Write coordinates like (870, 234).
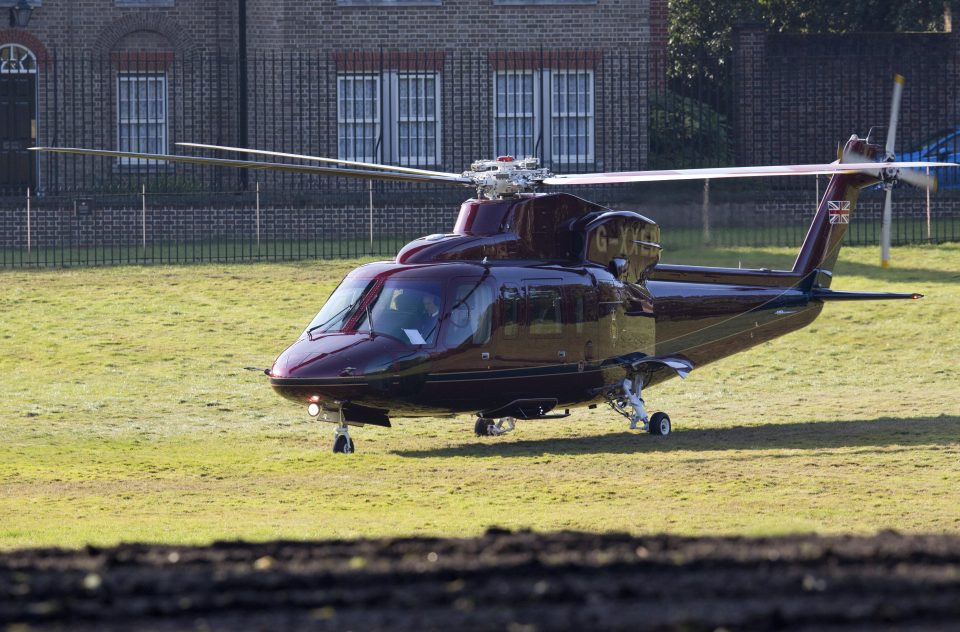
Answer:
(831, 295)
(681, 366)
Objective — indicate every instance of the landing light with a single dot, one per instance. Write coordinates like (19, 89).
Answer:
(313, 409)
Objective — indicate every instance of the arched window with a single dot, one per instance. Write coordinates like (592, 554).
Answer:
(15, 59)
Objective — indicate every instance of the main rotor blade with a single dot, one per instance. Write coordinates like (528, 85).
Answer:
(730, 172)
(266, 166)
(335, 161)
(894, 115)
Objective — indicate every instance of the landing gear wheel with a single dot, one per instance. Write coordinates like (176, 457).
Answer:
(483, 426)
(343, 444)
(660, 424)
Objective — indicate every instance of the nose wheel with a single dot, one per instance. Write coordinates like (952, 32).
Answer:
(342, 441)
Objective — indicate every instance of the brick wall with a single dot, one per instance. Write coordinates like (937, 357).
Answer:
(59, 226)
(798, 95)
(188, 25)
(772, 219)
(469, 25)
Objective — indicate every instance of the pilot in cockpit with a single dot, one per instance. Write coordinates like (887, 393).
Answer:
(431, 316)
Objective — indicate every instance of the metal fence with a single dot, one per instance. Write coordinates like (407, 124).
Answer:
(576, 111)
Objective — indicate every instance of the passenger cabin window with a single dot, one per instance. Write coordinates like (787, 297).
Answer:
(544, 312)
(511, 311)
(470, 318)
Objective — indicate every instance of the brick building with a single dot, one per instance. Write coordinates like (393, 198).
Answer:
(433, 83)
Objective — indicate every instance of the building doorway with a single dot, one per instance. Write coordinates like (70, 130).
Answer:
(18, 119)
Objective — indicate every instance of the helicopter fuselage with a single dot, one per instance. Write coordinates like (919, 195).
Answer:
(541, 302)
(539, 333)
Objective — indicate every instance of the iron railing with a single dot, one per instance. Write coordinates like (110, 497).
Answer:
(578, 111)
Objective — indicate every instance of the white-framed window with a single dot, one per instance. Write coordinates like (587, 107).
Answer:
(408, 105)
(418, 119)
(515, 108)
(571, 116)
(142, 114)
(358, 117)
(545, 112)
(17, 60)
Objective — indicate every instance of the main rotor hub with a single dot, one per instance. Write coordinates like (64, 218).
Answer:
(506, 176)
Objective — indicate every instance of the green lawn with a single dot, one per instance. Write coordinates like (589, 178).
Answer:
(126, 415)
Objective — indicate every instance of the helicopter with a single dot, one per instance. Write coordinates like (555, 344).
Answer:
(539, 302)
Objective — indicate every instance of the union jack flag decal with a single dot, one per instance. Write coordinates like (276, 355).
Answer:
(839, 211)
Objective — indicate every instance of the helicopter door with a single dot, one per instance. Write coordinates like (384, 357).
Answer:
(582, 327)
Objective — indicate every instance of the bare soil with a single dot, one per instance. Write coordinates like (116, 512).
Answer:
(505, 581)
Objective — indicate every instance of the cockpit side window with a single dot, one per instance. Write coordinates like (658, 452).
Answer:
(470, 317)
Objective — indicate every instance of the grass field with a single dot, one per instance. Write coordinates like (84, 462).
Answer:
(126, 416)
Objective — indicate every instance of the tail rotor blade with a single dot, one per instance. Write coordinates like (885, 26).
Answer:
(894, 115)
(919, 179)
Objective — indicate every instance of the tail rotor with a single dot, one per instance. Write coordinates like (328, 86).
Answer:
(889, 176)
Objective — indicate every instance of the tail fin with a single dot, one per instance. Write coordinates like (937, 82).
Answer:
(818, 254)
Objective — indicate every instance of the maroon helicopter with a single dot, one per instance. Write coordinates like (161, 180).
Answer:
(542, 302)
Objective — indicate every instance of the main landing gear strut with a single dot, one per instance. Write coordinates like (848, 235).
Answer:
(627, 401)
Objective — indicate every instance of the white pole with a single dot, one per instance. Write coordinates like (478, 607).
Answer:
(28, 221)
(258, 214)
(929, 236)
(370, 191)
(706, 211)
(885, 228)
(143, 216)
(816, 202)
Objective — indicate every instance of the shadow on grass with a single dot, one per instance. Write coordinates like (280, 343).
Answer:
(730, 258)
(876, 433)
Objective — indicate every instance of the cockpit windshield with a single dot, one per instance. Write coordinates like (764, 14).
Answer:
(407, 309)
(412, 310)
(339, 307)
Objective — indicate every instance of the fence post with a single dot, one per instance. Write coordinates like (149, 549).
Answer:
(929, 235)
(258, 215)
(143, 217)
(28, 221)
(706, 211)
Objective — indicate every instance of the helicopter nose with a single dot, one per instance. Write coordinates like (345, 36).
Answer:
(337, 367)
(335, 356)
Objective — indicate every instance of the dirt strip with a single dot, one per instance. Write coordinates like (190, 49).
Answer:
(505, 581)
